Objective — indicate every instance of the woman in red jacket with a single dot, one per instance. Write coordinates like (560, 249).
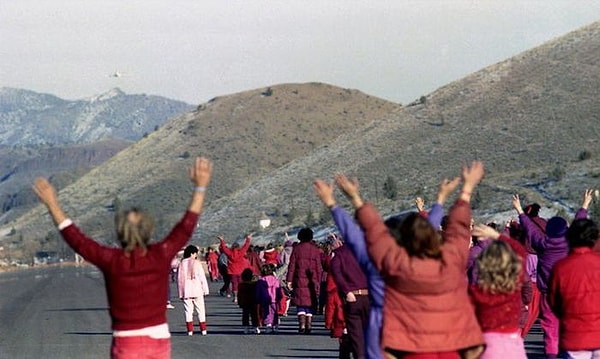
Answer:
(236, 263)
(135, 275)
(427, 309)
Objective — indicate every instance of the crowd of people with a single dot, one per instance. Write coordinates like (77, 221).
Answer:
(418, 286)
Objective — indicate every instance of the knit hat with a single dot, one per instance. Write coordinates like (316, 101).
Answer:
(556, 227)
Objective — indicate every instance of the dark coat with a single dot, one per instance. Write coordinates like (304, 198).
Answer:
(304, 272)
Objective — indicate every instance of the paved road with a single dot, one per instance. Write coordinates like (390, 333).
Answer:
(62, 313)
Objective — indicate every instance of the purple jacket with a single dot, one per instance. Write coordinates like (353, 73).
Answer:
(474, 252)
(346, 271)
(549, 250)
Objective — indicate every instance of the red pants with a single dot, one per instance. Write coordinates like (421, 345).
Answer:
(534, 311)
(235, 282)
(140, 347)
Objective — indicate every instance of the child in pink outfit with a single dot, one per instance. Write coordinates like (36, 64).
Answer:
(193, 286)
(267, 289)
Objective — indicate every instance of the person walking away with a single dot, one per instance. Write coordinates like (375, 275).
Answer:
(354, 238)
(193, 286)
(222, 264)
(267, 292)
(497, 294)
(352, 285)
(550, 248)
(236, 262)
(334, 308)
(304, 274)
(574, 288)
(427, 310)
(286, 252)
(212, 263)
(247, 301)
(135, 275)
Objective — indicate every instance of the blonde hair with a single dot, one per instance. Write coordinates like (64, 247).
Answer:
(132, 235)
(499, 268)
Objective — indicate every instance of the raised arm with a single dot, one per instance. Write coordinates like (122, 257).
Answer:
(199, 174)
(246, 244)
(89, 249)
(534, 237)
(385, 253)
(483, 231)
(223, 247)
(349, 229)
(437, 210)
(458, 231)
(587, 200)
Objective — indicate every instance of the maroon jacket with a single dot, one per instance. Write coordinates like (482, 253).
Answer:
(136, 283)
(304, 272)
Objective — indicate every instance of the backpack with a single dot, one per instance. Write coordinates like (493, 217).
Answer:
(222, 261)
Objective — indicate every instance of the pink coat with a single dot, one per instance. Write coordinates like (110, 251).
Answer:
(191, 280)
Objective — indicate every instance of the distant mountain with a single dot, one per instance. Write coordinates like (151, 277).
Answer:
(248, 135)
(29, 118)
(41, 134)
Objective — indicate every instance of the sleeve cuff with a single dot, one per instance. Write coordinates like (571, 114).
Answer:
(64, 224)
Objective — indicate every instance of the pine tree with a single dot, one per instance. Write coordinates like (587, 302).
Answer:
(390, 188)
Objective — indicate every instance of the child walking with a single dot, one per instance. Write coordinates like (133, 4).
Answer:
(267, 290)
(247, 301)
(497, 294)
(193, 286)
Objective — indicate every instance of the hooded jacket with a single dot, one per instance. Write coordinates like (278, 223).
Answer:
(549, 250)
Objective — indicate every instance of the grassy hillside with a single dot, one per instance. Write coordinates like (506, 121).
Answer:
(248, 135)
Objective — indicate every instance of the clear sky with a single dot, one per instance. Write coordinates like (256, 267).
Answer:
(194, 50)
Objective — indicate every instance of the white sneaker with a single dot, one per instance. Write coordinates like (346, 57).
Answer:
(204, 332)
(170, 306)
(256, 330)
(190, 333)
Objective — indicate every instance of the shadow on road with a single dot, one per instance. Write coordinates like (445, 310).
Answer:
(89, 333)
(77, 310)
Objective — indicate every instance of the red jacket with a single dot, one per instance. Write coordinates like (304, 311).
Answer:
(573, 296)
(427, 308)
(501, 312)
(237, 260)
(334, 310)
(270, 256)
(136, 284)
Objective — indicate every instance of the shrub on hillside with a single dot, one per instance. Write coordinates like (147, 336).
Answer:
(585, 155)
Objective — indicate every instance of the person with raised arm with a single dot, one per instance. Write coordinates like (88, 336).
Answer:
(550, 247)
(135, 275)
(427, 309)
(236, 261)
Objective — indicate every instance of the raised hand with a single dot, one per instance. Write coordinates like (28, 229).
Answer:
(482, 231)
(350, 188)
(420, 203)
(473, 174)
(446, 188)
(325, 192)
(45, 191)
(516, 203)
(587, 198)
(201, 172)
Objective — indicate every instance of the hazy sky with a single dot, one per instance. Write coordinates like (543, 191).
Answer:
(195, 50)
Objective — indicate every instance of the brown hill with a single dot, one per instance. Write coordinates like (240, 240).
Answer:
(248, 135)
(534, 119)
